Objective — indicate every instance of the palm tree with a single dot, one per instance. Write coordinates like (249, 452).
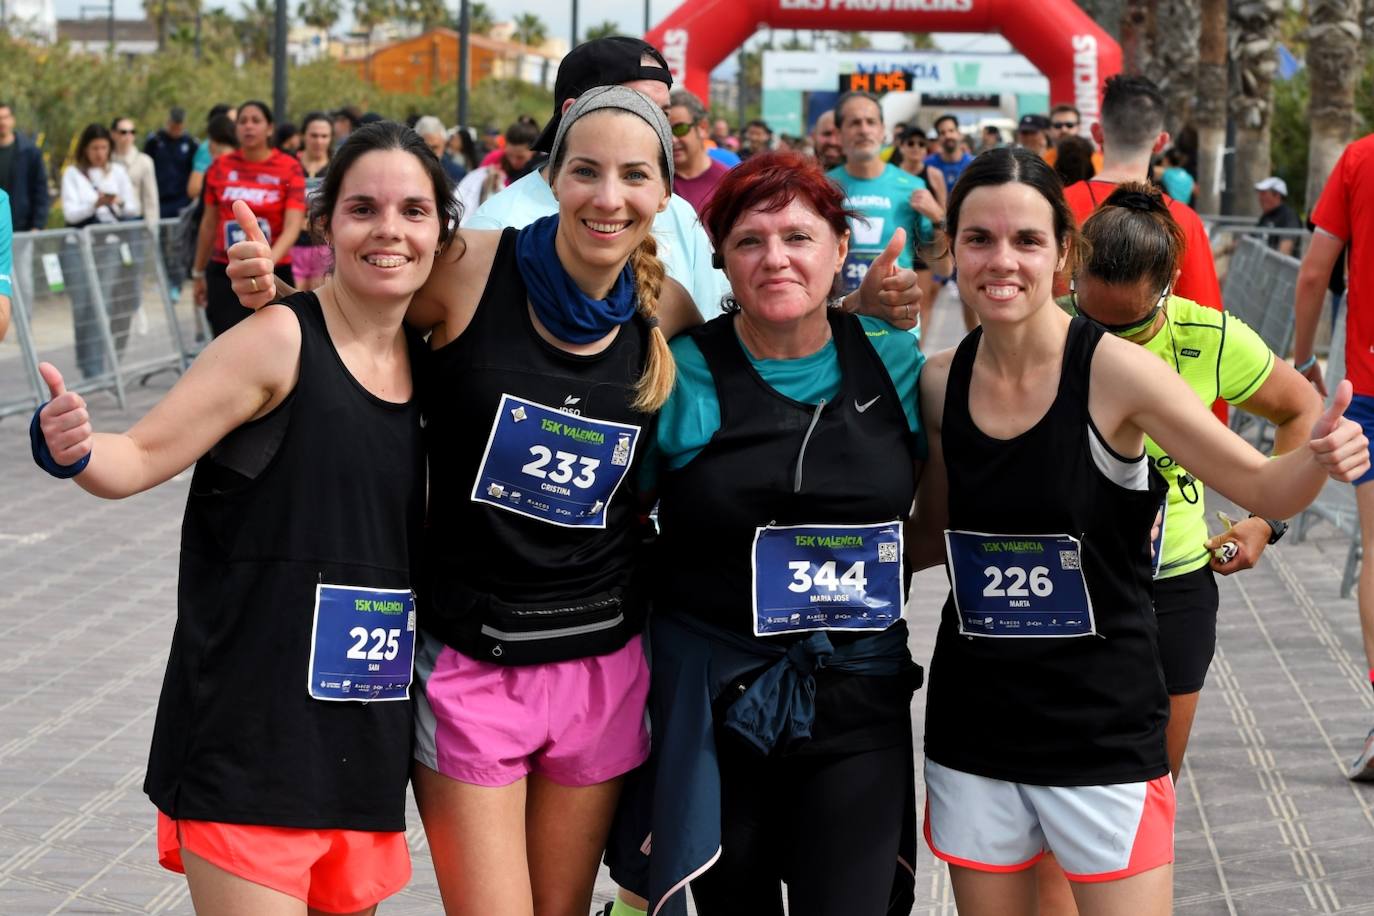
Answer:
(1137, 34)
(367, 15)
(1173, 66)
(1254, 51)
(426, 13)
(1106, 13)
(1334, 62)
(1210, 112)
(601, 30)
(480, 18)
(852, 41)
(256, 29)
(322, 15)
(530, 30)
(168, 14)
(919, 41)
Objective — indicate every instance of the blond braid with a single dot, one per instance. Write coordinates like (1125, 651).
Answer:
(660, 371)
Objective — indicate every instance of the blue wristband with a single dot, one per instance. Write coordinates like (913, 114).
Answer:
(44, 459)
(1307, 363)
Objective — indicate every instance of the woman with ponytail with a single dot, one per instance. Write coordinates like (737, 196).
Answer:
(548, 360)
(1126, 286)
(548, 363)
(782, 682)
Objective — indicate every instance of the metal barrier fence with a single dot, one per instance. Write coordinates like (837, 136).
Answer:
(97, 303)
(1259, 289)
(1336, 502)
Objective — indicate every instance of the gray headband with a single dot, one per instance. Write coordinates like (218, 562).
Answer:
(622, 99)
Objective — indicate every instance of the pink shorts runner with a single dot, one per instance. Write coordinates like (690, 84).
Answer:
(578, 722)
(311, 261)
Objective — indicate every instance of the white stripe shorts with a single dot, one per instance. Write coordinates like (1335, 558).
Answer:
(1098, 833)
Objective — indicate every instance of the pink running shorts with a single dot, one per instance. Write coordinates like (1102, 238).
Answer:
(578, 722)
(311, 261)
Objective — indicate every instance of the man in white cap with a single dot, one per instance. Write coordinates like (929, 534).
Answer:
(1276, 214)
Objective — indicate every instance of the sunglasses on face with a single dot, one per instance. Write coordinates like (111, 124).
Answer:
(121, 131)
(1066, 125)
(683, 129)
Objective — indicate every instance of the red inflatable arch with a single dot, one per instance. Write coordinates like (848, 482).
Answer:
(1055, 35)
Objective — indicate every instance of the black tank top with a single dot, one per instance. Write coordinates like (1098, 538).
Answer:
(1086, 710)
(507, 578)
(857, 468)
(327, 488)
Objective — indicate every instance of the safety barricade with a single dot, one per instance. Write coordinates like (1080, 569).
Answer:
(1336, 502)
(132, 287)
(68, 325)
(21, 388)
(191, 328)
(1259, 290)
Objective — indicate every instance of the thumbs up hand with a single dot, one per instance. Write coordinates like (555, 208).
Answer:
(64, 421)
(890, 292)
(1338, 443)
(250, 262)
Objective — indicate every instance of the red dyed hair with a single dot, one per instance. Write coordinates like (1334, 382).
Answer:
(768, 182)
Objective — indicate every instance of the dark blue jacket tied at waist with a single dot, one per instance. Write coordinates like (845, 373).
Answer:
(670, 806)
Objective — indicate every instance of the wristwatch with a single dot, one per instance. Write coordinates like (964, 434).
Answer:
(1277, 528)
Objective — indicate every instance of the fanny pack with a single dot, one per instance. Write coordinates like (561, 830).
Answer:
(485, 627)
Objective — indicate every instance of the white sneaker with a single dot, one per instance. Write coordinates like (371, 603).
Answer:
(1362, 770)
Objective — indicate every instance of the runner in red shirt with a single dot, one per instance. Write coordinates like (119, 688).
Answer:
(273, 184)
(1130, 133)
(1344, 215)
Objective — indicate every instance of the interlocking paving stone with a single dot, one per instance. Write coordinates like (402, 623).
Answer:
(1267, 823)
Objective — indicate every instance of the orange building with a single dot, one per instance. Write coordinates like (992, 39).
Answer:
(423, 63)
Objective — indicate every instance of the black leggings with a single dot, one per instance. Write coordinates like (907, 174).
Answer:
(222, 307)
(830, 825)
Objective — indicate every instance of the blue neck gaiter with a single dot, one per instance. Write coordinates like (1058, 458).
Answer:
(568, 313)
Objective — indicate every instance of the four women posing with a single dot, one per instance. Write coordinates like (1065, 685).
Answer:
(785, 459)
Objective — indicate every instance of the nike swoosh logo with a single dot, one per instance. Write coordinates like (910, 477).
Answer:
(862, 407)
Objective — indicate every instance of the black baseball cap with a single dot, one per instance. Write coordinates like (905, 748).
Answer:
(603, 62)
(1033, 122)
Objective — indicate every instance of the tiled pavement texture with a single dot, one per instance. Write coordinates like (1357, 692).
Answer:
(1267, 824)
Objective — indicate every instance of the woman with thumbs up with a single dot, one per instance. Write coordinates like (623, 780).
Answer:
(281, 748)
(1046, 707)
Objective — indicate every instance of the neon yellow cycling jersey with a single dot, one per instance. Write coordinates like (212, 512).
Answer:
(1218, 355)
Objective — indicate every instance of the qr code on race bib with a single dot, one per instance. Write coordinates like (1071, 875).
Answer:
(1068, 559)
(887, 553)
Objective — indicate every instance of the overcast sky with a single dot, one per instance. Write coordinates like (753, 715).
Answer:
(629, 14)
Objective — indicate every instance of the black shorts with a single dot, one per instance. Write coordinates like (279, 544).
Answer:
(1186, 608)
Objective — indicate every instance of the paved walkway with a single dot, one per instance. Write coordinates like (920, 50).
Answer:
(1267, 823)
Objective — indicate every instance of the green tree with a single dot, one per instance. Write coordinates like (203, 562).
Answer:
(218, 35)
(322, 15)
(481, 20)
(530, 30)
(255, 29)
(169, 15)
(852, 41)
(425, 13)
(367, 15)
(919, 41)
(603, 29)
